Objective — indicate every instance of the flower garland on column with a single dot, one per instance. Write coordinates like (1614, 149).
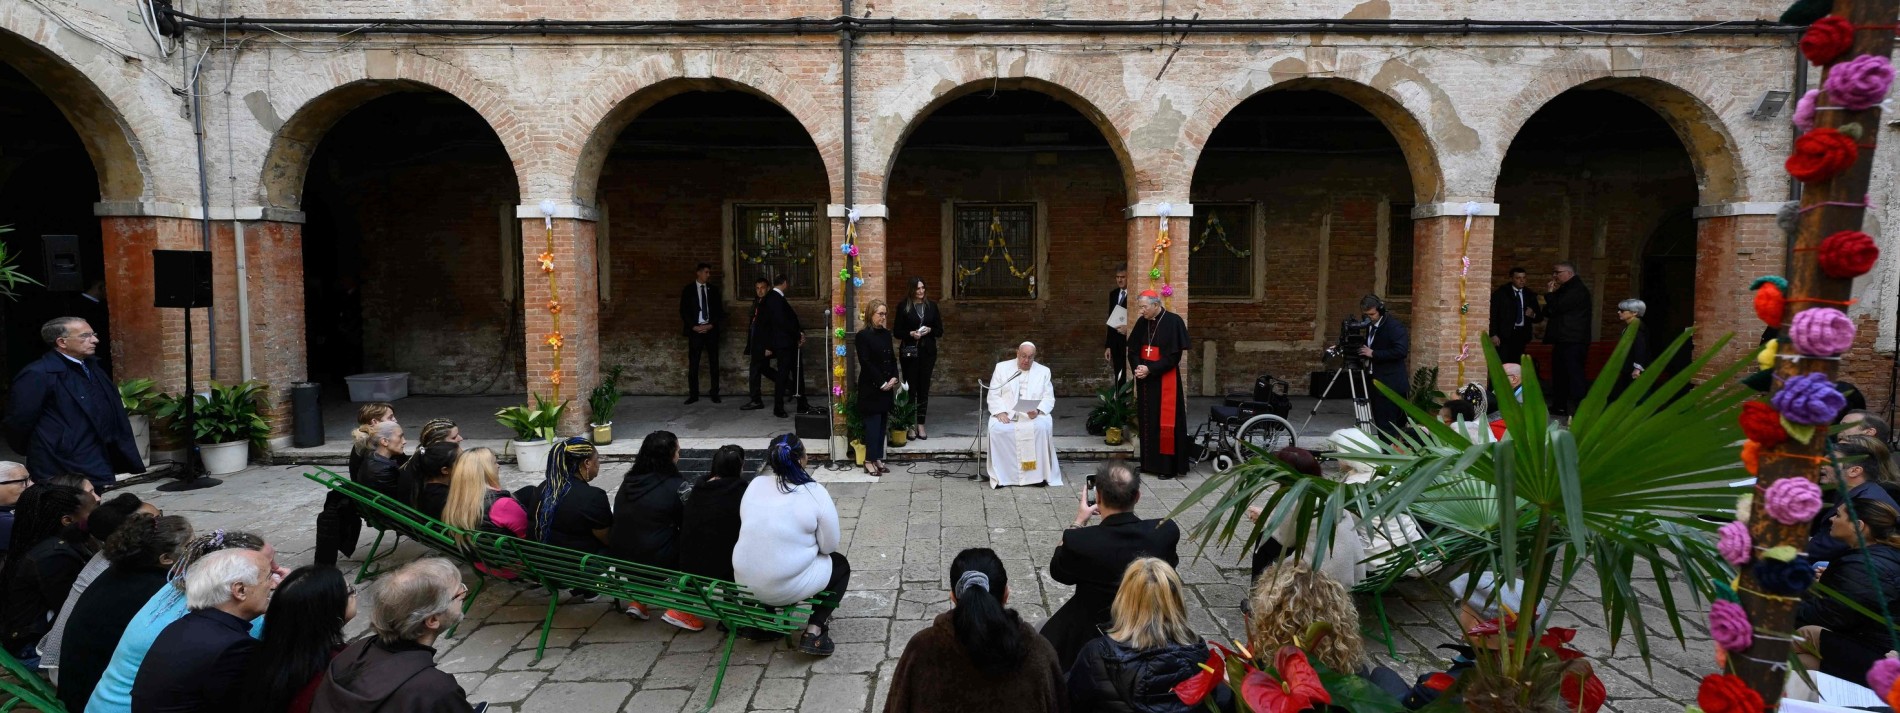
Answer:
(1464, 281)
(1158, 266)
(852, 273)
(554, 338)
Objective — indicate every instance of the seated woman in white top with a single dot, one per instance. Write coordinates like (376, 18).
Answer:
(788, 542)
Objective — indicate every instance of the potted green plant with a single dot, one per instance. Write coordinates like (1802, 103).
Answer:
(534, 431)
(1114, 411)
(854, 426)
(10, 274)
(903, 416)
(600, 405)
(226, 421)
(140, 397)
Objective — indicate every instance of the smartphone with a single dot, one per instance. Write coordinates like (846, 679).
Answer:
(1088, 491)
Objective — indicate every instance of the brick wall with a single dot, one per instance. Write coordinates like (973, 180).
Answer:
(1082, 198)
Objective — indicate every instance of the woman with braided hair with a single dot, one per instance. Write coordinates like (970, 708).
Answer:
(788, 542)
(566, 509)
(114, 692)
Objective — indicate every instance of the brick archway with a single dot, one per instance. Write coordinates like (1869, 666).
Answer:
(102, 127)
(601, 116)
(1720, 174)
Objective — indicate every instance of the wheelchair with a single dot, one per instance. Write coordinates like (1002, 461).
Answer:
(1256, 419)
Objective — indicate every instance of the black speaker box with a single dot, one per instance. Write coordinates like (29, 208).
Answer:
(63, 271)
(812, 426)
(181, 278)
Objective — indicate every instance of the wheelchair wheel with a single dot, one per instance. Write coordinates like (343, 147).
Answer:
(1223, 463)
(1265, 432)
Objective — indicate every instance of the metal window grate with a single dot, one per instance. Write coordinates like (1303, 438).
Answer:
(779, 239)
(1220, 258)
(995, 249)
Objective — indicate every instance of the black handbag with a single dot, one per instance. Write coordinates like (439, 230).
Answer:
(907, 351)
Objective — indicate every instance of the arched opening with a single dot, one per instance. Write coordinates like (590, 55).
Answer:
(411, 249)
(48, 185)
(710, 173)
(1008, 203)
(1598, 178)
(1302, 205)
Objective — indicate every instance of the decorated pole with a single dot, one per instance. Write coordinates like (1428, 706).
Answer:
(1788, 432)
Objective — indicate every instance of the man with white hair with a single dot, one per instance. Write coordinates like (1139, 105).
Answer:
(395, 669)
(13, 481)
(1022, 435)
(196, 663)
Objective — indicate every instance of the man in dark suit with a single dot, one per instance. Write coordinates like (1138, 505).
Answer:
(65, 413)
(1569, 308)
(1514, 308)
(755, 346)
(1093, 558)
(1389, 346)
(198, 662)
(702, 319)
(780, 336)
(1116, 343)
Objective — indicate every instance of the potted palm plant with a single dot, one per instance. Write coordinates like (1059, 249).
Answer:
(534, 431)
(226, 421)
(903, 416)
(600, 404)
(1655, 458)
(1114, 411)
(141, 398)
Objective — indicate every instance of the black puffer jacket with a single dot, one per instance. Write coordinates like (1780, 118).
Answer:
(647, 514)
(1847, 574)
(1111, 678)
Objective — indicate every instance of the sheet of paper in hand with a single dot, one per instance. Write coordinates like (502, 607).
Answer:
(1119, 317)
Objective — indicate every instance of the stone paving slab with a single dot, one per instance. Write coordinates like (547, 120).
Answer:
(900, 532)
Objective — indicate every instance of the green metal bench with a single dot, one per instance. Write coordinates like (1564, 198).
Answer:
(558, 569)
(21, 686)
(387, 515)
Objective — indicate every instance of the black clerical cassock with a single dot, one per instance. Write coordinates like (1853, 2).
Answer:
(1161, 397)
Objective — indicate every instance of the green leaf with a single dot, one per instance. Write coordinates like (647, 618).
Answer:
(1357, 694)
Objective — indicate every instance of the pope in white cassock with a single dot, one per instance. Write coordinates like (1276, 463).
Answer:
(1022, 443)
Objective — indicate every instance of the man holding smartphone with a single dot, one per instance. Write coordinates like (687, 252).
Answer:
(1093, 558)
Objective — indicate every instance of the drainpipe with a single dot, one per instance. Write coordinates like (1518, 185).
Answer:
(243, 299)
(204, 208)
(850, 293)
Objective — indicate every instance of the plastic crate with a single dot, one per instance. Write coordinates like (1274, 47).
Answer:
(381, 386)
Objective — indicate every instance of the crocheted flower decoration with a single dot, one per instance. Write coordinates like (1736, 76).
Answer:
(1827, 39)
(1733, 541)
(1821, 154)
(1792, 500)
(1762, 424)
(1766, 357)
(1725, 693)
(1883, 674)
(1784, 578)
(1809, 399)
(1847, 254)
(1822, 331)
(1728, 625)
(1804, 115)
(1859, 83)
(1751, 457)
(1770, 304)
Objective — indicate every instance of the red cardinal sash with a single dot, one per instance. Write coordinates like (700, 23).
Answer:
(1169, 387)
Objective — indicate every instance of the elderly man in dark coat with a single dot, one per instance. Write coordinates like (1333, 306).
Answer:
(65, 413)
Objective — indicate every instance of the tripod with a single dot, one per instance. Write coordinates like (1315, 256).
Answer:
(1361, 396)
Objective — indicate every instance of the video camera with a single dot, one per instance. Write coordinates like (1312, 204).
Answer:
(1353, 332)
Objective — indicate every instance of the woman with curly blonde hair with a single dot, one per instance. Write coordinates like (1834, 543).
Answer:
(1290, 595)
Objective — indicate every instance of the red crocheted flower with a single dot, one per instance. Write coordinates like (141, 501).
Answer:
(1761, 423)
(1751, 457)
(1724, 693)
(1827, 39)
(1770, 305)
(1822, 154)
(1848, 254)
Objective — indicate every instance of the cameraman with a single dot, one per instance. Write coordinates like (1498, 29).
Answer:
(1388, 345)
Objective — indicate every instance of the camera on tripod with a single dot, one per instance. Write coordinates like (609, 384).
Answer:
(1352, 336)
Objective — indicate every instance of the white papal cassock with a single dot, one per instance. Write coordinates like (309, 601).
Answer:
(1023, 451)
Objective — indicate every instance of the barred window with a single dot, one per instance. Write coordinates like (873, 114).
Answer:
(995, 248)
(1220, 257)
(771, 240)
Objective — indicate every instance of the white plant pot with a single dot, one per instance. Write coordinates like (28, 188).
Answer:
(142, 435)
(225, 458)
(532, 456)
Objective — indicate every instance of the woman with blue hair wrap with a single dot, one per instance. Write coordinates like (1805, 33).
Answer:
(566, 510)
(788, 542)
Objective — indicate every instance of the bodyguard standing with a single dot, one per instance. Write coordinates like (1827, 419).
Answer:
(1116, 344)
(1514, 308)
(65, 413)
(1569, 308)
(703, 318)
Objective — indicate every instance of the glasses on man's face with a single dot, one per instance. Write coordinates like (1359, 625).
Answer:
(462, 593)
(15, 481)
(82, 336)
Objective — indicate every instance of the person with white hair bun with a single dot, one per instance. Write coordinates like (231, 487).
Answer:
(1631, 312)
(1022, 434)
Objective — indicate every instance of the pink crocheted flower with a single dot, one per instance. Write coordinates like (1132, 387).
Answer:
(1735, 544)
(1822, 331)
(1883, 674)
(1804, 111)
(1859, 83)
(1728, 625)
(1792, 500)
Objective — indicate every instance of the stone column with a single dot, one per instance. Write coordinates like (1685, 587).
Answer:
(1144, 226)
(571, 232)
(1441, 245)
(1735, 243)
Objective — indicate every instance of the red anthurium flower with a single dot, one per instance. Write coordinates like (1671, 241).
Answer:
(1196, 687)
(1440, 681)
(1301, 679)
(1296, 690)
(1593, 695)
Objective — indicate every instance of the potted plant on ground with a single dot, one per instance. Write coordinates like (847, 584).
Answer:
(903, 416)
(141, 398)
(1114, 410)
(854, 426)
(226, 421)
(534, 431)
(600, 404)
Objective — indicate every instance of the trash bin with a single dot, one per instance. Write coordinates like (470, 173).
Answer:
(306, 415)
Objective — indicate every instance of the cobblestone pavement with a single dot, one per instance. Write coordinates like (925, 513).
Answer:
(900, 534)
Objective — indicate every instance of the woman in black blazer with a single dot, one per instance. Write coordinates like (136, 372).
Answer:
(919, 325)
(877, 383)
